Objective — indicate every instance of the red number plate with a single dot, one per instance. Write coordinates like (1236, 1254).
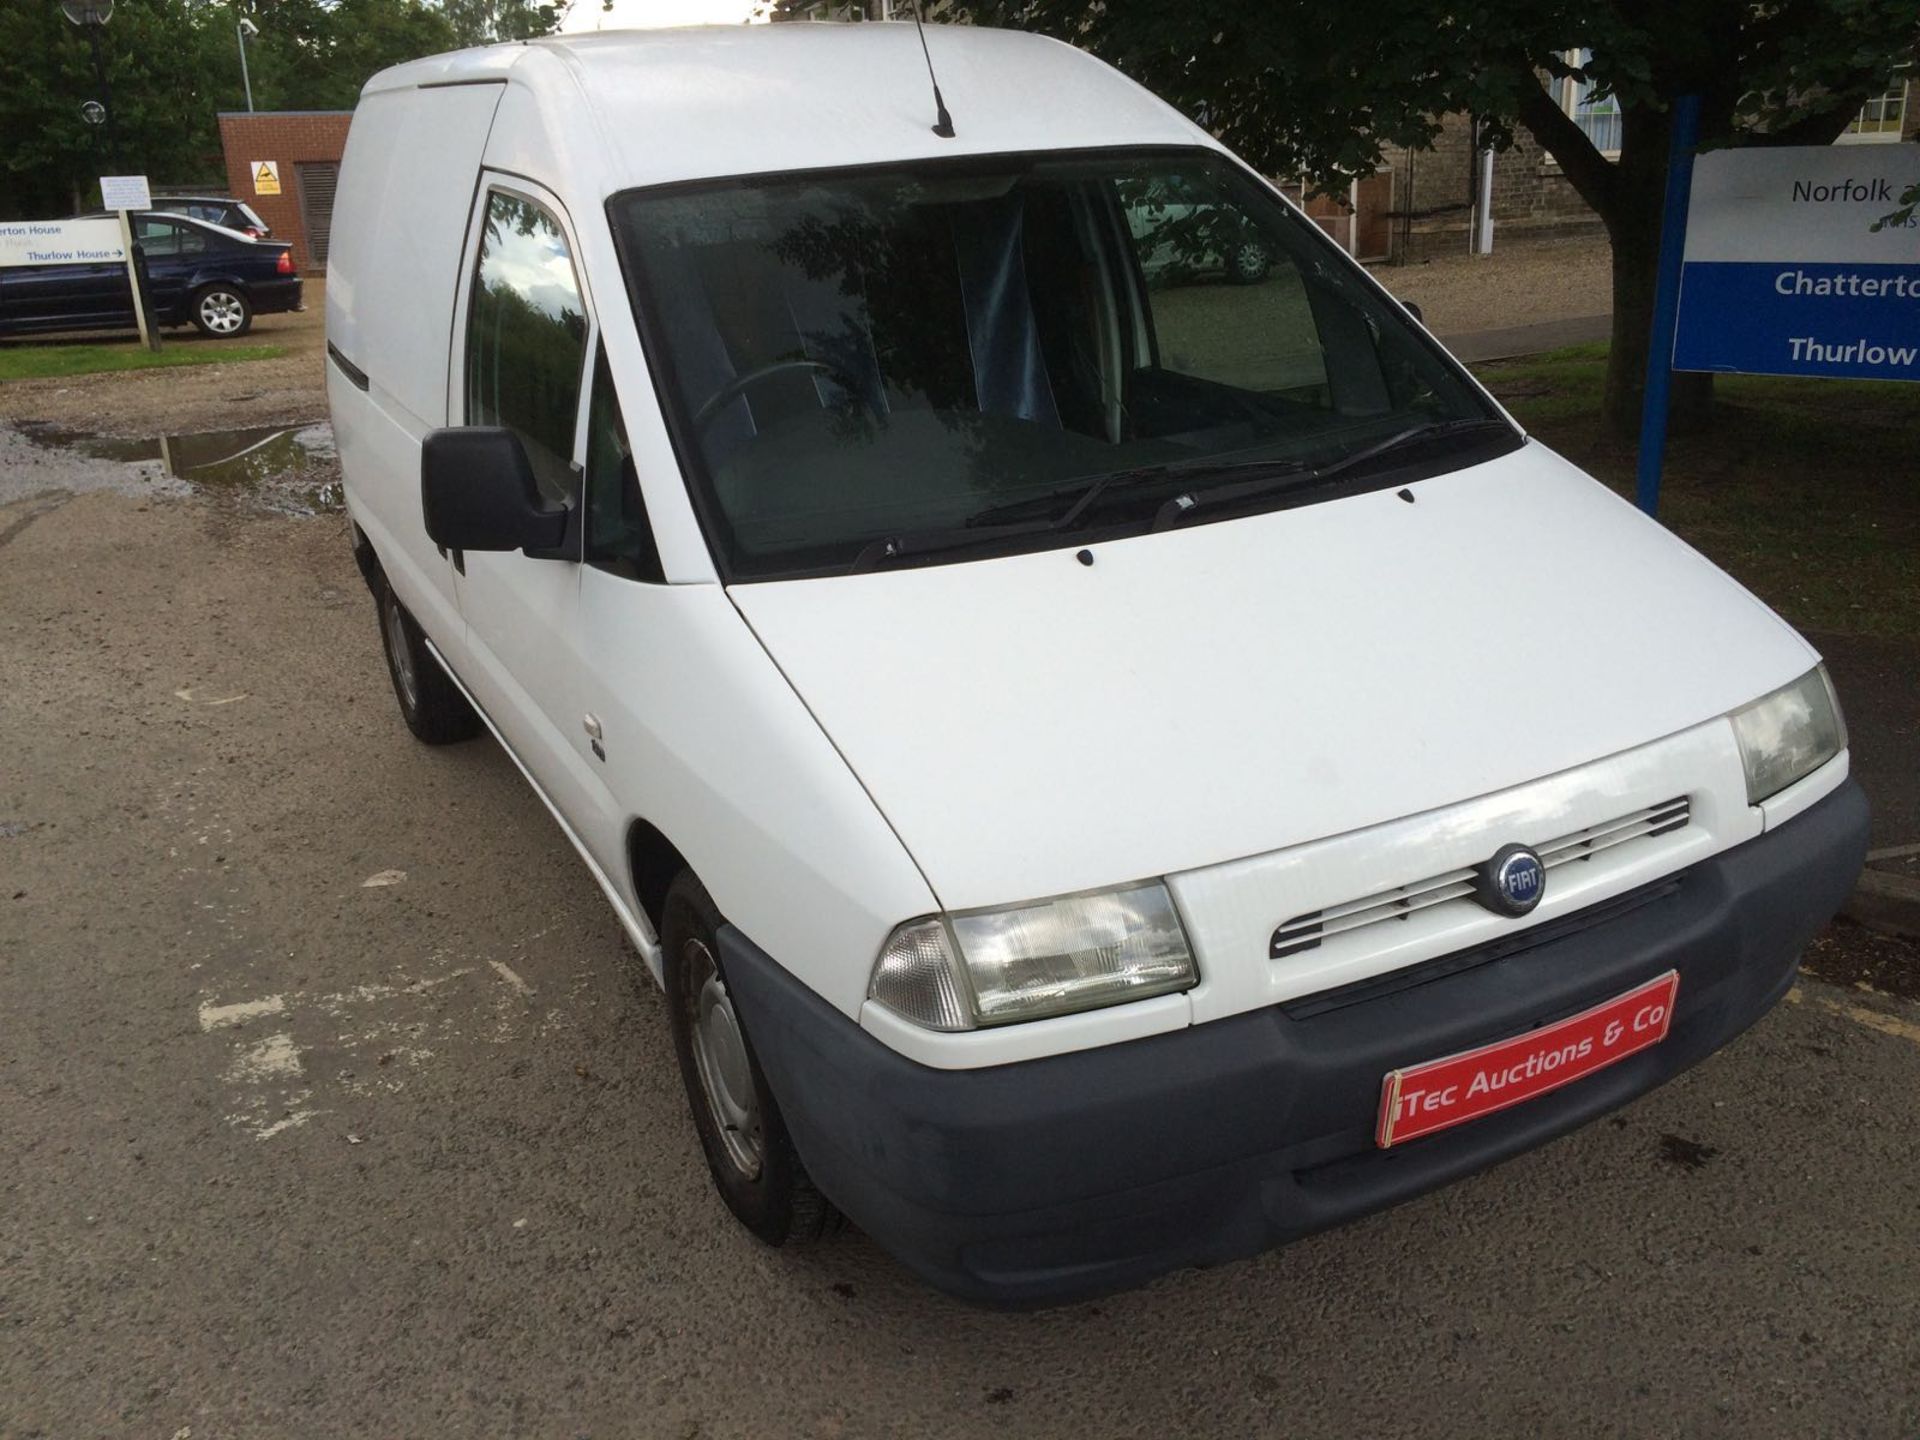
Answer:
(1440, 1094)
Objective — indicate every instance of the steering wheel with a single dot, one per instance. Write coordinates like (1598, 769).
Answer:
(713, 404)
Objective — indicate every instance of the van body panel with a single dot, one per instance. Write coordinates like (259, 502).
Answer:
(399, 225)
(1304, 714)
(515, 607)
(737, 100)
(706, 740)
(1077, 726)
(391, 285)
(378, 442)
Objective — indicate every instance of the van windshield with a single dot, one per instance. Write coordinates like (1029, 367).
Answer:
(940, 361)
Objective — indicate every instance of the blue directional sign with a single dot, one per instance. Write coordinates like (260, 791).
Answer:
(1784, 273)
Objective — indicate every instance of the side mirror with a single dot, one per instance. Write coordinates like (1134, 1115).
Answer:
(477, 493)
(1414, 310)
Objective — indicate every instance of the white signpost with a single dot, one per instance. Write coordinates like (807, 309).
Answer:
(1780, 261)
(61, 242)
(1783, 271)
(123, 193)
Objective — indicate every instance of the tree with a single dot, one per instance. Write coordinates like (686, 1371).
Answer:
(173, 65)
(156, 61)
(481, 22)
(1300, 87)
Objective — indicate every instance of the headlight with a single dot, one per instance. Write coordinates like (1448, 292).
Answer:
(1052, 957)
(1788, 734)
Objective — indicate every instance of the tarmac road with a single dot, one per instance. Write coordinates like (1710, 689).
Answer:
(327, 1109)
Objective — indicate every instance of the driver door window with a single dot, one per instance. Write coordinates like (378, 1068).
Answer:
(527, 339)
(619, 537)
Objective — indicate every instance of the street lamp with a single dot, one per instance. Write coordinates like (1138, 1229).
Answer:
(245, 28)
(90, 15)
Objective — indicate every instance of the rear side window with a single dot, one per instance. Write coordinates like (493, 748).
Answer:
(527, 338)
(163, 240)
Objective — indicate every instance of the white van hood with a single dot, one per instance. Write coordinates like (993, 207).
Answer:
(1031, 725)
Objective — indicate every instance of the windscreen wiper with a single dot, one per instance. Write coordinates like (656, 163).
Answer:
(1187, 502)
(1268, 476)
(1085, 496)
(999, 522)
(889, 548)
(1432, 430)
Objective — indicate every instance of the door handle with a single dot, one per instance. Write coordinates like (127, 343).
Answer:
(591, 724)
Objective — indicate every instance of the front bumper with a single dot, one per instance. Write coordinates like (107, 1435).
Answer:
(1059, 1178)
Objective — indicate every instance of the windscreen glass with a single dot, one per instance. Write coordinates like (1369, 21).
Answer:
(901, 360)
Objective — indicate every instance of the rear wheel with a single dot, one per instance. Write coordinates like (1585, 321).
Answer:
(431, 704)
(754, 1165)
(222, 310)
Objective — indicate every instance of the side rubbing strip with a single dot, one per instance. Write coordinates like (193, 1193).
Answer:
(347, 368)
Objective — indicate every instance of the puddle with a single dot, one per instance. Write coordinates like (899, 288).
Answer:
(285, 469)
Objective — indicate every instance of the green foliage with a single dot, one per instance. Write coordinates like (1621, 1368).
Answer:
(173, 65)
(39, 362)
(481, 22)
(1300, 87)
(155, 56)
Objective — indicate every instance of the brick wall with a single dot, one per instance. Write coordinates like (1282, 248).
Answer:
(290, 138)
(1531, 197)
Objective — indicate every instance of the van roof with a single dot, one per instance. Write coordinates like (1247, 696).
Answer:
(708, 101)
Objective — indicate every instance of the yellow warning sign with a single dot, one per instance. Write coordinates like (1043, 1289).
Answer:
(266, 177)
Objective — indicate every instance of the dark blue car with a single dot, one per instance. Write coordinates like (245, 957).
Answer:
(197, 274)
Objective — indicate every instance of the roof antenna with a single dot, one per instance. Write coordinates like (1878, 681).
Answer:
(943, 122)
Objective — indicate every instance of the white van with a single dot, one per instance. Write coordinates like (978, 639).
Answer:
(1115, 765)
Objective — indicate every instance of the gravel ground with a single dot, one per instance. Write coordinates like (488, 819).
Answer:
(190, 398)
(1521, 284)
(329, 1110)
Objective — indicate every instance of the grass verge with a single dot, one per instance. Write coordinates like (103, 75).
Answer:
(44, 362)
(1807, 491)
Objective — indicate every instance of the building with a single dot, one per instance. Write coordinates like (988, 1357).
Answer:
(285, 163)
(1433, 190)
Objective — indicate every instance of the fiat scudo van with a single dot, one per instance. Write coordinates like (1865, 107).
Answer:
(1117, 749)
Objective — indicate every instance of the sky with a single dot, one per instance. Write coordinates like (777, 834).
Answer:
(631, 14)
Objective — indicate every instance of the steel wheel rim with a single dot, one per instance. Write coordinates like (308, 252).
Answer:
(1251, 260)
(222, 311)
(720, 1060)
(401, 654)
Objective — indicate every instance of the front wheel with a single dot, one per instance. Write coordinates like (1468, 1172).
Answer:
(431, 704)
(222, 311)
(754, 1165)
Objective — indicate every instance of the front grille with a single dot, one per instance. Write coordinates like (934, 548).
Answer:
(1307, 932)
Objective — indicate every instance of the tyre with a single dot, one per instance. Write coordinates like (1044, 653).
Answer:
(222, 310)
(754, 1165)
(1249, 263)
(431, 704)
